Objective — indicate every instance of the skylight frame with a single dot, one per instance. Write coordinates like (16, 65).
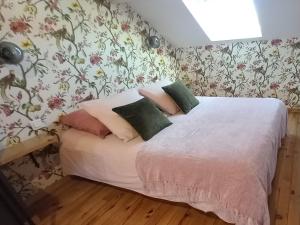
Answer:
(226, 19)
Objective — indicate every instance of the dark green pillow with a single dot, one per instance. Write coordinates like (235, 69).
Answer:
(182, 96)
(144, 116)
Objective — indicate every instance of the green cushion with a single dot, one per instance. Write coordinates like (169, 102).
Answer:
(144, 116)
(182, 96)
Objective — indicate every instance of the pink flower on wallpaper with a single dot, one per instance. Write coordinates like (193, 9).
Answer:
(95, 59)
(274, 86)
(47, 28)
(50, 21)
(184, 67)
(241, 66)
(19, 26)
(6, 109)
(160, 51)
(52, 5)
(208, 47)
(76, 98)
(100, 20)
(49, 25)
(276, 42)
(140, 79)
(82, 77)
(55, 102)
(118, 80)
(11, 126)
(125, 27)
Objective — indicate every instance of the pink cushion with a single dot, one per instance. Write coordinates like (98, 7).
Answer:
(102, 110)
(81, 120)
(155, 93)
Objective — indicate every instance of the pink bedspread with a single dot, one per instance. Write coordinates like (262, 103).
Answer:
(220, 157)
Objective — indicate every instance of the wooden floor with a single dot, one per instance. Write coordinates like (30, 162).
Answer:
(75, 201)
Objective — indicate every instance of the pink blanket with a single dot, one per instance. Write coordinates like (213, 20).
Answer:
(220, 157)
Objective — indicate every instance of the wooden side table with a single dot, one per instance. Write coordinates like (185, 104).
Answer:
(27, 147)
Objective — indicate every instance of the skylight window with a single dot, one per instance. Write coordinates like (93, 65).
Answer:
(225, 19)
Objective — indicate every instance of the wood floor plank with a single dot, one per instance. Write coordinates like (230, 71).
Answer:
(108, 202)
(284, 190)
(54, 188)
(294, 212)
(292, 123)
(296, 169)
(179, 216)
(274, 197)
(86, 209)
(196, 217)
(76, 201)
(144, 212)
(192, 217)
(62, 201)
(65, 209)
(124, 208)
(285, 176)
(157, 216)
(170, 217)
(221, 222)
(294, 204)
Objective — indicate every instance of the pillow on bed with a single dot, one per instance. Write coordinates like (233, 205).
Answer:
(81, 120)
(144, 116)
(102, 110)
(182, 96)
(156, 94)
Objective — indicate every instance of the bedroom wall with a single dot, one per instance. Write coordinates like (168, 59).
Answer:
(252, 69)
(74, 50)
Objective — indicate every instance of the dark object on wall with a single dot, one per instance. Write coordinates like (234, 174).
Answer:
(153, 42)
(12, 210)
(10, 53)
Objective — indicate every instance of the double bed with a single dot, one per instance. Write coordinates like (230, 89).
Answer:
(220, 157)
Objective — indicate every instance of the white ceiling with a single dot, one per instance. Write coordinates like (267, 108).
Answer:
(278, 19)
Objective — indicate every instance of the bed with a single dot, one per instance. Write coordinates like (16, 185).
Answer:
(221, 157)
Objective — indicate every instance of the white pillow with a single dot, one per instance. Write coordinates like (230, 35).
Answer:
(102, 110)
(155, 93)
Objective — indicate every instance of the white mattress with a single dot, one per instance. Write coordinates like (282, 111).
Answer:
(108, 160)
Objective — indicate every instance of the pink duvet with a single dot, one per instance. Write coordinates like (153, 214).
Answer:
(220, 157)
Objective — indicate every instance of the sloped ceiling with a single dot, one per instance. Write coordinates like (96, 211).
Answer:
(278, 19)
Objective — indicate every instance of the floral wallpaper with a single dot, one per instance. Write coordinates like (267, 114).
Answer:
(74, 51)
(80, 50)
(249, 69)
